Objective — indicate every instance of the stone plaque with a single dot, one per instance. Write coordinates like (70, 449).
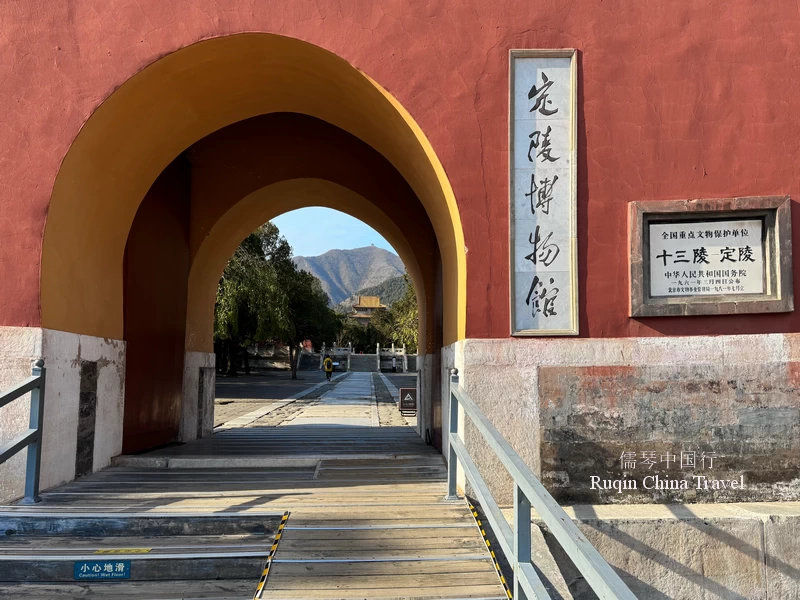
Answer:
(710, 257)
(706, 258)
(542, 168)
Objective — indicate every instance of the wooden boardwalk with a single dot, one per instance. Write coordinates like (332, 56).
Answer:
(358, 527)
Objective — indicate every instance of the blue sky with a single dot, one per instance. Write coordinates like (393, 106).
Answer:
(315, 230)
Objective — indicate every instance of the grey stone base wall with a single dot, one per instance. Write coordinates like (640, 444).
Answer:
(197, 407)
(576, 409)
(83, 405)
(731, 551)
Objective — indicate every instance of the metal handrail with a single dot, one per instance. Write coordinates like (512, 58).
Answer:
(32, 437)
(528, 492)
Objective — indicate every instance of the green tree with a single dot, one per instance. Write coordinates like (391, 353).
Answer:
(404, 315)
(381, 327)
(262, 295)
(309, 316)
(250, 304)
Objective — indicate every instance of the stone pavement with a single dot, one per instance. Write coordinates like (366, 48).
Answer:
(334, 418)
(238, 396)
(351, 402)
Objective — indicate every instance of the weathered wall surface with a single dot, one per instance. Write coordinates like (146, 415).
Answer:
(731, 551)
(570, 408)
(19, 347)
(197, 406)
(84, 394)
(68, 426)
(731, 420)
(675, 101)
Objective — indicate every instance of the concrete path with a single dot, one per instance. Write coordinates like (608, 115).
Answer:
(237, 397)
(351, 402)
(331, 419)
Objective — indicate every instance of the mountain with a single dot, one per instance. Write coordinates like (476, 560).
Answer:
(343, 272)
(389, 291)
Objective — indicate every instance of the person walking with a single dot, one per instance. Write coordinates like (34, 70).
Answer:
(328, 366)
(394, 364)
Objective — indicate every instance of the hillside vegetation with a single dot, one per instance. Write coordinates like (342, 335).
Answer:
(344, 272)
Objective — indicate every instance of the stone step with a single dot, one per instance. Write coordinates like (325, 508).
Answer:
(77, 524)
(210, 564)
(46, 547)
(364, 363)
(133, 590)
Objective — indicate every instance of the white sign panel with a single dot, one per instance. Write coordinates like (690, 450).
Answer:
(544, 285)
(709, 258)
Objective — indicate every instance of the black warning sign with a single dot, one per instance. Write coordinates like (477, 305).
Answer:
(408, 400)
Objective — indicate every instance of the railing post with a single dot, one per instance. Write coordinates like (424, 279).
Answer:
(522, 538)
(452, 462)
(35, 447)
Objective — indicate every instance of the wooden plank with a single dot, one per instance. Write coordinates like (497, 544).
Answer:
(279, 501)
(473, 591)
(434, 512)
(363, 545)
(297, 522)
(405, 581)
(436, 459)
(234, 486)
(310, 553)
(296, 497)
(378, 534)
(367, 569)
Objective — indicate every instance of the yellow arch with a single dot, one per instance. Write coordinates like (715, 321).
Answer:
(179, 99)
(264, 205)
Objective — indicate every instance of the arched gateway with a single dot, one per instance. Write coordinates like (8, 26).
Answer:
(638, 164)
(185, 159)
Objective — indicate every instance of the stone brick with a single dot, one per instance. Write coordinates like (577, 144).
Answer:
(782, 539)
(748, 415)
(680, 558)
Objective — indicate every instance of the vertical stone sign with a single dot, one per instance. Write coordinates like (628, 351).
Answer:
(543, 99)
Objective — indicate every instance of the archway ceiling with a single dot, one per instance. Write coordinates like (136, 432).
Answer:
(265, 204)
(254, 170)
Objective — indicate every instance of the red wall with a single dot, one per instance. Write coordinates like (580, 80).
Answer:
(677, 100)
(156, 282)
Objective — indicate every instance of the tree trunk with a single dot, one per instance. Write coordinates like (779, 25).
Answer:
(246, 363)
(232, 358)
(222, 360)
(293, 359)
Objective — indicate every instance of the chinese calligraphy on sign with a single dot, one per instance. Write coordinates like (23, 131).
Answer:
(542, 171)
(706, 258)
(102, 569)
(710, 256)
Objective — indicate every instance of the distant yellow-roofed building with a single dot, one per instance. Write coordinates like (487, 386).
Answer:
(363, 309)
